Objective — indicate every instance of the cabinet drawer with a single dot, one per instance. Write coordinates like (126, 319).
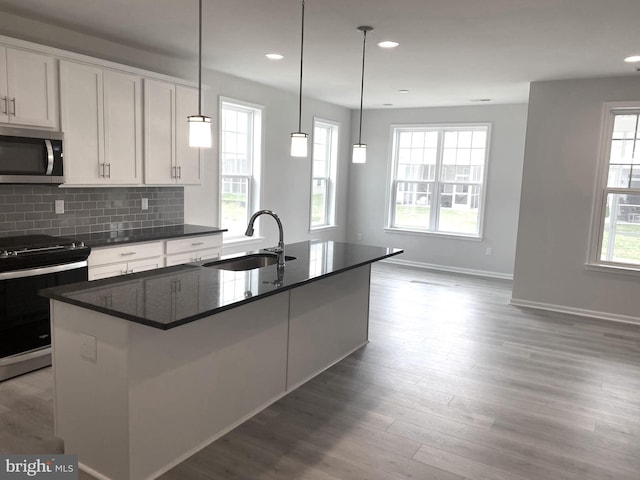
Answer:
(124, 253)
(189, 244)
(196, 256)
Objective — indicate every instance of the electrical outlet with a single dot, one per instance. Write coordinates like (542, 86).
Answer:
(359, 236)
(59, 206)
(144, 204)
(88, 347)
(488, 251)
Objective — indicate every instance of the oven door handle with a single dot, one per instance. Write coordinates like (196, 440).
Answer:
(47, 143)
(32, 272)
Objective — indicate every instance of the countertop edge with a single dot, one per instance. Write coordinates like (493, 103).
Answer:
(52, 295)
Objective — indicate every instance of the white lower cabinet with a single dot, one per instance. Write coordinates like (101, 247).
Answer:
(105, 262)
(193, 249)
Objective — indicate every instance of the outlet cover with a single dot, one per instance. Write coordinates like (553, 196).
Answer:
(59, 206)
(144, 204)
(88, 347)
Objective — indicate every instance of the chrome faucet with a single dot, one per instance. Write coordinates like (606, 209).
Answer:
(280, 248)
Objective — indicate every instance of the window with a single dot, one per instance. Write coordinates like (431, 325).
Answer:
(323, 181)
(240, 151)
(618, 197)
(438, 178)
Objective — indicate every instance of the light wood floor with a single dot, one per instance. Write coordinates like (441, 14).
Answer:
(454, 384)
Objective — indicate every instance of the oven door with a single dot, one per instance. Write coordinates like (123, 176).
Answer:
(24, 315)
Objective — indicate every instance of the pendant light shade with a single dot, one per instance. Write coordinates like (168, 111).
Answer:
(359, 153)
(360, 149)
(299, 139)
(199, 131)
(199, 125)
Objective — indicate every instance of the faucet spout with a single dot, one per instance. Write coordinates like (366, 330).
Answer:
(278, 249)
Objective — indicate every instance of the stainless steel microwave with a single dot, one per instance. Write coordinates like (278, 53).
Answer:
(30, 156)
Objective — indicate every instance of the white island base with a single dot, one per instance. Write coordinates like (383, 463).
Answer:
(133, 401)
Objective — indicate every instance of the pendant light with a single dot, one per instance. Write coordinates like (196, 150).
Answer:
(360, 149)
(199, 125)
(299, 139)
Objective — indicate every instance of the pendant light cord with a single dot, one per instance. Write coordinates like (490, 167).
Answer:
(301, 59)
(200, 60)
(364, 44)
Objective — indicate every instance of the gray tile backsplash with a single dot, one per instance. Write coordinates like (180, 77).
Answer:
(29, 209)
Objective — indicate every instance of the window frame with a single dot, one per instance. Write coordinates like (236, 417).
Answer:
(392, 182)
(332, 175)
(256, 141)
(602, 190)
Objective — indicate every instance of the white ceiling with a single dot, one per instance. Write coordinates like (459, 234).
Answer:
(451, 51)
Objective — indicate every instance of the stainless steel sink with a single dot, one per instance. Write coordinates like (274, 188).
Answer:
(246, 262)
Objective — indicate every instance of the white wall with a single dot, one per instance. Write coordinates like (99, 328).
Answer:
(368, 186)
(286, 181)
(560, 165)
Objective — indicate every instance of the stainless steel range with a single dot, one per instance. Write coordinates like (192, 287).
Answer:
(28, 264)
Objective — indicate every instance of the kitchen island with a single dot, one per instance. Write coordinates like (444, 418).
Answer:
(152, 367)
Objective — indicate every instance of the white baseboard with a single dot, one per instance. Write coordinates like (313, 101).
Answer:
(446, 268)
(575, 311)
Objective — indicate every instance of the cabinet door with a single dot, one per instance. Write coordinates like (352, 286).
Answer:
(82, 122)
(187, 158)
(159, 132)
(30, 80)
(107, 271)
(122, 127)
(4, 92)
(144, 265)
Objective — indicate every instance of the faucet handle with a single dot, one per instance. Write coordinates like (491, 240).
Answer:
(277, 249)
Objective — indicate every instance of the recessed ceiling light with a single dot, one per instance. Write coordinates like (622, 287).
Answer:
(403, 91)
(274, 56)
(632, 59)
(388, 44)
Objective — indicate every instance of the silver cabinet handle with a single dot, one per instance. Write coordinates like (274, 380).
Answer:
(173, 172)
(101, 170)
(195, 244)
(6, 105)
(179, 172)
(108, 165)
(127, 254)
(13, 102)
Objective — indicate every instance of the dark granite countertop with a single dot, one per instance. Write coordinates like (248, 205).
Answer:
(172, 296)
(117, 237)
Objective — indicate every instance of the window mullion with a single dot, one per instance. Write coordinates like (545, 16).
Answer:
(435, 210)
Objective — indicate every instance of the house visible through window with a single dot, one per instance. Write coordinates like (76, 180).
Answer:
(240, 148)
(323, 192)
(438, 178)
(618, 235)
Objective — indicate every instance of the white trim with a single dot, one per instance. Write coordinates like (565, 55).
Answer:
(611, 268)
(613, 317)
(321, 228)
(450, 269)
(334, 160)
(61, 54)
(429, 233)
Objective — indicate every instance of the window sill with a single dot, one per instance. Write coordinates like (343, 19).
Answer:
(322, 228)
(616, 269)
(456, 236)
(237, 241)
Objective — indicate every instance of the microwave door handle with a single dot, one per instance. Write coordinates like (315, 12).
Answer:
(47, 143)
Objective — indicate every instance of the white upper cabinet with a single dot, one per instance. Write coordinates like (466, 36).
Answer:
(101, 113)
(168, 159)
(27, 88)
